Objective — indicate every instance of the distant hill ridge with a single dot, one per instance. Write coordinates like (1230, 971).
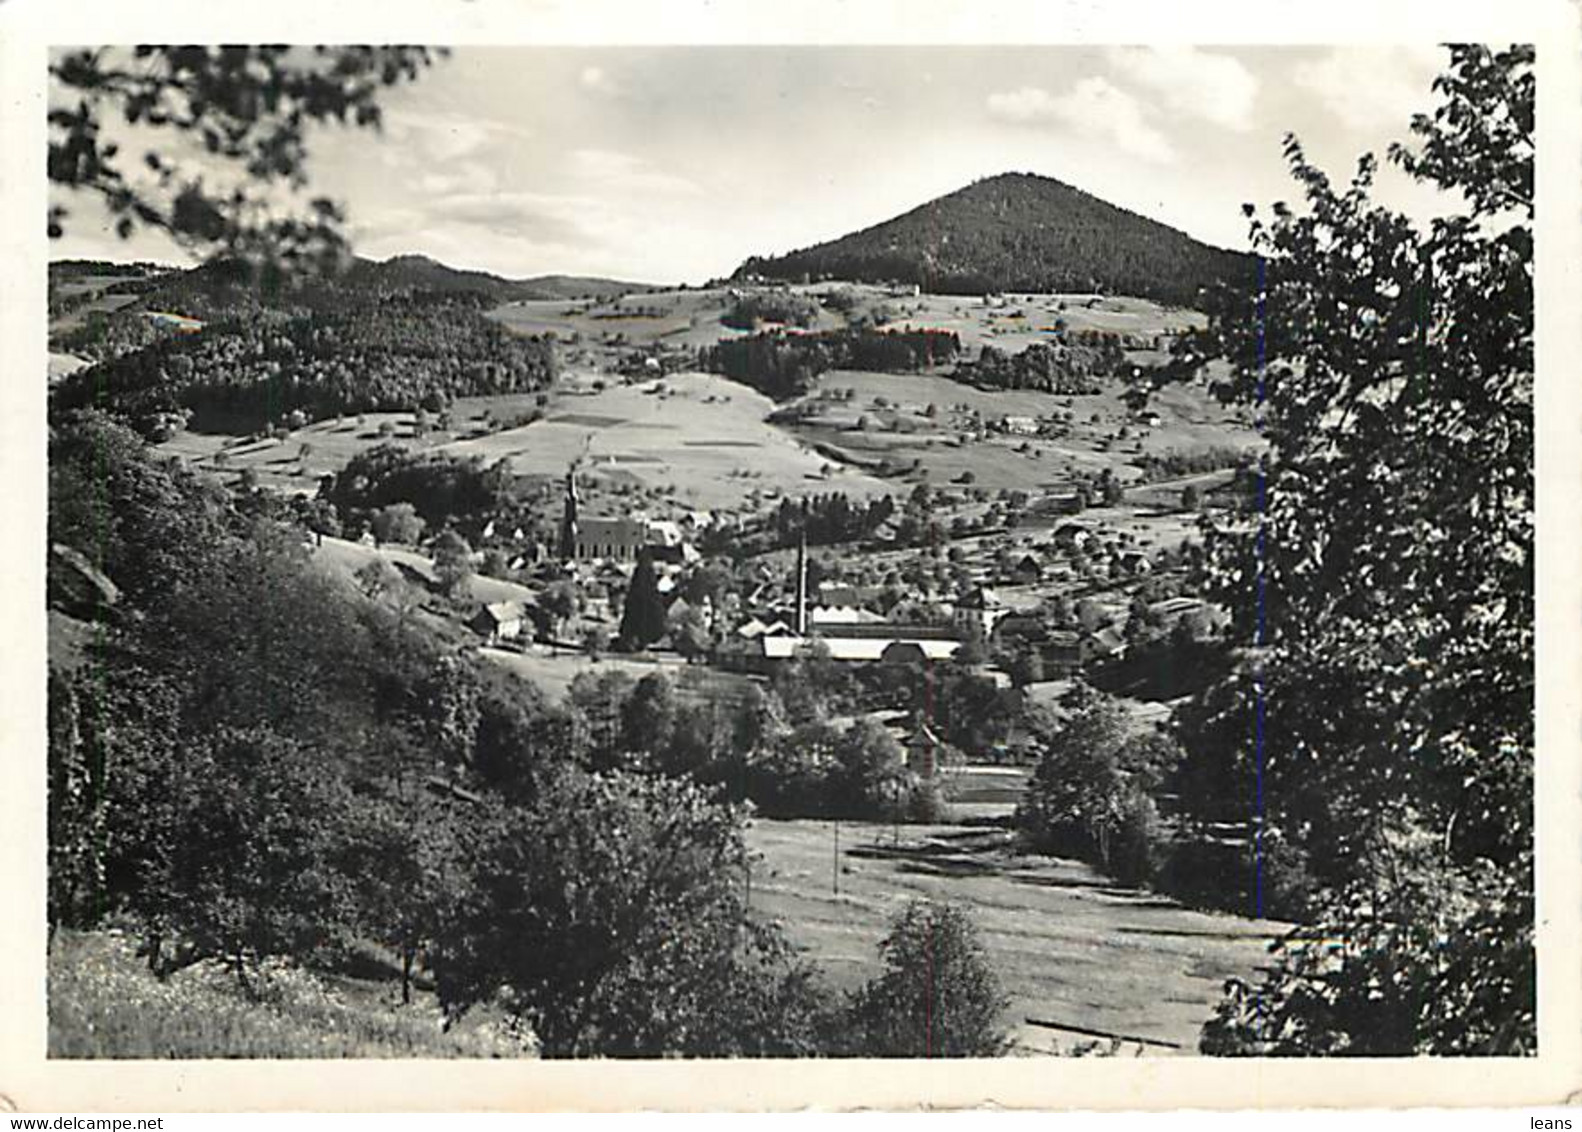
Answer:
(224, 281)
(420, 272)
(1016, 232)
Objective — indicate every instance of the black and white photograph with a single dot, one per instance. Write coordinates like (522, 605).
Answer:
(1008, 551)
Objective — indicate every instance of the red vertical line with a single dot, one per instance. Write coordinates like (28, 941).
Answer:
(834, 860)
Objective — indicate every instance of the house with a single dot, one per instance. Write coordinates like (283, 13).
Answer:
(979, 610)
(1027, 570)
(1134, 562)
(869, 644)
(755, 628)
(499, 621)
(675, 554)
(843, 615)
(1062, 653)
(1019, 426)
(1174, 606)
(1021, 627)
(664, 532)
(1064, 502)
(1106, 644)
(1072, 536)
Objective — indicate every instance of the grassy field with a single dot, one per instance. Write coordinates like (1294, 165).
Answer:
(1190, 420)
(702, 435)
(1069, 946)
(348, 557)
(707, 439)
(554, 670)
(104, 1003)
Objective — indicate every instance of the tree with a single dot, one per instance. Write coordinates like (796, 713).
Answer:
(1090, 794)
(406, 864)
(1388, 580)
(397, 523)
(1191, 497)
(938, 996)
(610, 919)
(648, 717)
(643, 615)
(376, 577)
(689, 634)
(452, 562)
(251, 864)
(251, 107)
(559, 600)
(870, 778)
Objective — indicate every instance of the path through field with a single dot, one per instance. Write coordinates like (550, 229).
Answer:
(1069, 945)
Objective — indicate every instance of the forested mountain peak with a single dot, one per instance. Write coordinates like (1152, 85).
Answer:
(1016, 232)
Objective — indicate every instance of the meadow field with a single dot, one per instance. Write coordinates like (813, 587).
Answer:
(1070, 946)
(699, 434)
(901, 428)
(105, 1003)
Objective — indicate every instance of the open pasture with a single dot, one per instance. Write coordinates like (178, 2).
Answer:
(900, 425)
(1069, 945)
(700, 434)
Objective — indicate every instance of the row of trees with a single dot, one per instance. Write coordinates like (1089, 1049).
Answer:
(750, 310)
(784, 366)
(1065, 369)
(827, 519)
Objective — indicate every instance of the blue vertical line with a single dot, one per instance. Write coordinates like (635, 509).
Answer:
(1260, 630)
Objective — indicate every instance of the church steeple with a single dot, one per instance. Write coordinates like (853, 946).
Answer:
(568, 518)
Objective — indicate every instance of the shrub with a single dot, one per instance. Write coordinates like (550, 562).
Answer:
(1227, 876)
(1136, 848)
(938, 996)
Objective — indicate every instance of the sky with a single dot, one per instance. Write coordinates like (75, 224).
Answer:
(673, 164)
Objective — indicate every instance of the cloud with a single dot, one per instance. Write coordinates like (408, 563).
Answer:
(1095, 107)
(1372, 87)
(427, 139)
(482, 217)
(614, 171)
(469, 176)
(1216, 88)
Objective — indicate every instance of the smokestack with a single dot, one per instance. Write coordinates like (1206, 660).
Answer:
(801, 586)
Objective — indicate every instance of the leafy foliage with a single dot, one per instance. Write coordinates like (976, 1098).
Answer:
(783, 366)
(937, 997)
(1072, 369)
(747, 312)
(610, 919)
(249, 106)
(1388, 586)
(1091, 793)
